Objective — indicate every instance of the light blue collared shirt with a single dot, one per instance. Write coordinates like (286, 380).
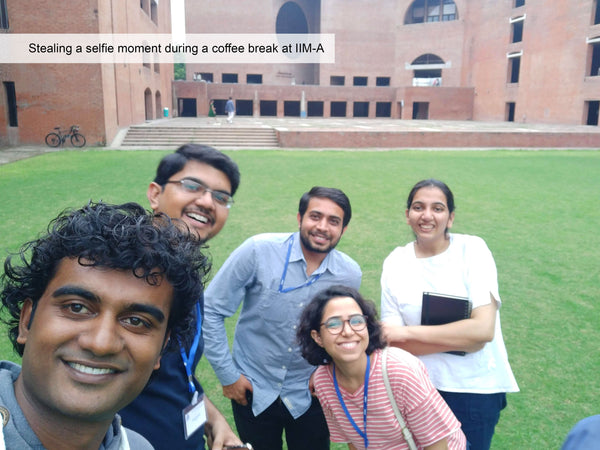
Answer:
(264, 347)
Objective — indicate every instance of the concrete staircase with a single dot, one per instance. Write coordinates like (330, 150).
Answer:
(216, 135)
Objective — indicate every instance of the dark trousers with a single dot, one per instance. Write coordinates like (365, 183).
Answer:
(478, 414)
(264, 432)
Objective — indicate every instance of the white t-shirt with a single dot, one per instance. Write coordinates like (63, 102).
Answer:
(465, 269)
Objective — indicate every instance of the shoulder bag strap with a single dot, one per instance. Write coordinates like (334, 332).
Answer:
(405, 431)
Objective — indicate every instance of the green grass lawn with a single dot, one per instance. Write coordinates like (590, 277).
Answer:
(537, 210)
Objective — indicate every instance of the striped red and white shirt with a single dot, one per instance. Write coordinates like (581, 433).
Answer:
(425, 412)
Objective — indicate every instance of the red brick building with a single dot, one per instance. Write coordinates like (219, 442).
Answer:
(489, 60)
(34, 98)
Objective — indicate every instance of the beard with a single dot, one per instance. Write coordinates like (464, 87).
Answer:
(304, 238)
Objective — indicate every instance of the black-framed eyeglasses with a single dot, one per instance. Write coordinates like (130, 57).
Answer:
(199, 188)
(335, 325)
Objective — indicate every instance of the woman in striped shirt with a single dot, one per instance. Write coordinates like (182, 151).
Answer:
(339, 332)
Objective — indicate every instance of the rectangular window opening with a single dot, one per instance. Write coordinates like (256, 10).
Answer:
(514, 67)
(510, 112)
(3, 15)
(11, 103)
(382, 81)
(595, 65)
(360, 81)
(314, 109)
(337, 80)
(229, 78)
(593, 109)
(253, 78)
(517, 31)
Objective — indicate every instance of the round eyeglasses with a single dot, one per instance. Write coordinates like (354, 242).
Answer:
(199, 188)
(335, 325)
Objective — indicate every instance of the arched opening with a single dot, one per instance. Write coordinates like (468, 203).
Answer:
(148, 103)
(427, 70)
(158, 104)
(291, 19)
(421, 11)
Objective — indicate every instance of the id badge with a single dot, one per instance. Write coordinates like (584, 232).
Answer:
(194, 416)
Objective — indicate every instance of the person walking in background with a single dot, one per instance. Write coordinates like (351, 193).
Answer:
(272, 276)
(230, 110)
(339, 333)
(473, 385)
(195, 184)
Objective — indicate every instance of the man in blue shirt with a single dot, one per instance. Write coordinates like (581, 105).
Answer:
(230, 110)
(195, 184)
(275, 275)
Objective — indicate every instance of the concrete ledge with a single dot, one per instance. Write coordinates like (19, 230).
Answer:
(435, 139)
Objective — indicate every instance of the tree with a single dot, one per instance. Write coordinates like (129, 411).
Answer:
(179, 69)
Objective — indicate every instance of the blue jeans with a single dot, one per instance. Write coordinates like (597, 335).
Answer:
(264, 432)
(478, 415)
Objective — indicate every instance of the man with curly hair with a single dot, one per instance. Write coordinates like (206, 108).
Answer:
(91, 305)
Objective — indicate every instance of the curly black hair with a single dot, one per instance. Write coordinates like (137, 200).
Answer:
(121, 237)
(312, 317)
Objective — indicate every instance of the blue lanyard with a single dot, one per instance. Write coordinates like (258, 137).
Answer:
(188, 360)
(285, 267)
(362, 433)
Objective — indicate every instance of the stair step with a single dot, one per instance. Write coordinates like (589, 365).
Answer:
(240, 137)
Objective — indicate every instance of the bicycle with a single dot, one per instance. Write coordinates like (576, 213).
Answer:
(58, 137)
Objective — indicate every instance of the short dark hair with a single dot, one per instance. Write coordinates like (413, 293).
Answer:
(432, 182)
(312, 316)
(333, 194)
(174, 162)
(120, 237)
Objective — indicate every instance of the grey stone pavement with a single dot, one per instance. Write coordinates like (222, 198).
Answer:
(10, 154)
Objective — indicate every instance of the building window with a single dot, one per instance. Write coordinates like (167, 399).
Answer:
(314, 109)
(253, 78)
(517, 29)
(431, 73)
(360, 109)
(337, 81)
(268, 107)
(510, 112)
(519, 3)
(595, 59)
(229, 78)
(421, 11)
(291, 108)
(11, 103)
(360, 81)
(154, 11)
(382, 81)
(596, 12)
(383, 109)
(3, 15)
(593, 108)
(338, 109)
(514, 67)
(203, 76)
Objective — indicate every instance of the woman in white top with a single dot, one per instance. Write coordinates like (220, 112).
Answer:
(473, 385)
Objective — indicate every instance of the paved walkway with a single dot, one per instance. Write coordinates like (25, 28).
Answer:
(9, 154)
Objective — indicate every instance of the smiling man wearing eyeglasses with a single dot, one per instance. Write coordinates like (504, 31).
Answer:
(195, 184)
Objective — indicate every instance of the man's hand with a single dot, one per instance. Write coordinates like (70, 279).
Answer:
(237, 391)
(217, 430)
